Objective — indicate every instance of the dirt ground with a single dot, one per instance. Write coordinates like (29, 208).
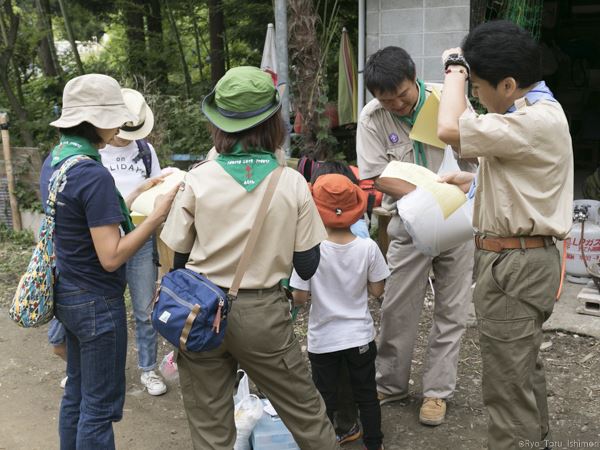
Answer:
(30, 392)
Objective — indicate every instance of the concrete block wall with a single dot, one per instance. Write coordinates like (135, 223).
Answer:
(424, 28)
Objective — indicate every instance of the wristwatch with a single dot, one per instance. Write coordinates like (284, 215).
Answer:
(454, 59)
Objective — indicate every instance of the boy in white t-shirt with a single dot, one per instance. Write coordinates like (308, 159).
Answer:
(340, 326)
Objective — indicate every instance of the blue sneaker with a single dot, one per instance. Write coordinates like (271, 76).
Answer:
(352, 434)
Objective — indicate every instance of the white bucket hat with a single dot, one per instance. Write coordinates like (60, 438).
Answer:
(96, 99)
(140, 128)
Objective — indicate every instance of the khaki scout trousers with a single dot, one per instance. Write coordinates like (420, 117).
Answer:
(260, 338)
(514, 296)
(401, 309)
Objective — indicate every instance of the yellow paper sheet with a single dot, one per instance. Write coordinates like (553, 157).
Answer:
(144, 203)
(448, 196)
(425, 127)
(137, 218)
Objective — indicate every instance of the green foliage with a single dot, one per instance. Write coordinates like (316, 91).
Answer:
(180, 127)
(27, 197)
(19, 238)
(86, 23)
(525, 13)
(42, 95)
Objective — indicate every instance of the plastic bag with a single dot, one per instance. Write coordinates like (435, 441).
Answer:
(168, 367)
(247, 414)
(243, 389)
(424, 220)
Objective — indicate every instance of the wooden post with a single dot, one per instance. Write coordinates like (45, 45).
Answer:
(14, 205)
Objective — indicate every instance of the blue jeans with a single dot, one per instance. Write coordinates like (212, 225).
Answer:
(141, 278)
(56, 333)
(96, 337)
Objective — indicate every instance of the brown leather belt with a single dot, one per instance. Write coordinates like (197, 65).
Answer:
(498, 244)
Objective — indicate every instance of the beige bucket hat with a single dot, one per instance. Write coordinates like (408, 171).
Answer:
(96, 99)
(140, 128)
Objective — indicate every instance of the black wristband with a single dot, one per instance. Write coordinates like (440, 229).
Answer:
(454, 59)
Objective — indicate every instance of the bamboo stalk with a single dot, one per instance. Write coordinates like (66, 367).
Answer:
(14, 205)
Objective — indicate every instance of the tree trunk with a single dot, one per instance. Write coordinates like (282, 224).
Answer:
(216, 27)
(136, 44)
(46, 43)
(156, 65)
(184, 66)
(197, 40)
(5, 58)
(15, 66)
(69, 29)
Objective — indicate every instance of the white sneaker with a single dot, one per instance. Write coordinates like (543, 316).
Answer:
(153, 383)
(63, 382)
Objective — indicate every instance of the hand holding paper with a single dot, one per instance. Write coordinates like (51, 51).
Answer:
(448, 196)
(461, 179)
(144, 203)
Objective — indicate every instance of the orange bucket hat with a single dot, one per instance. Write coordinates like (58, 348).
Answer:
(339, 201)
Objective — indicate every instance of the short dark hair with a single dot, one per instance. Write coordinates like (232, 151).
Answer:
(499, 49)
(85, 130)
(268, 135)
(329, 167)
(387, 68)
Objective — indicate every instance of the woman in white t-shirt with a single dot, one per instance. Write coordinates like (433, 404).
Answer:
(340, 326)
(131, 161)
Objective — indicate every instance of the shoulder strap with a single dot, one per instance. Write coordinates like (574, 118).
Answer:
(255, 231)
(145, 155)
(56, 181)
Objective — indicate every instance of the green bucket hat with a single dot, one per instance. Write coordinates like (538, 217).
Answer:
(243, 98)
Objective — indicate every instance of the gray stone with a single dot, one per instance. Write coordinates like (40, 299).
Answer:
(402, 21)
(373, 23)
(455, 18)
(436, 43)
(419, 66)
(372, 5)
(400, 4)
(564, 317)
(412, 43)
(444, 3)
(372, 44)
(433, 70)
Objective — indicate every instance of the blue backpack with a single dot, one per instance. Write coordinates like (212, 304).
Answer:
(186, 298)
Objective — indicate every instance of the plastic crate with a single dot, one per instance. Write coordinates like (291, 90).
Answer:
(271, 434)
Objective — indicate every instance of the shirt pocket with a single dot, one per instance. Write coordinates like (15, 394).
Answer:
(401, 152)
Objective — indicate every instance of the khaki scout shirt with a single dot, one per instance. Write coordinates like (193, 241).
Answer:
(525, 181)
(212, 217)
(382, 137)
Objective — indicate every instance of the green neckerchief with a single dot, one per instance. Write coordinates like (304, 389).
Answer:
(418, 148)
(75, 145)
(248, 166)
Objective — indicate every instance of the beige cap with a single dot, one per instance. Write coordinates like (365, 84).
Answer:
(96, 99)
(140, 128)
